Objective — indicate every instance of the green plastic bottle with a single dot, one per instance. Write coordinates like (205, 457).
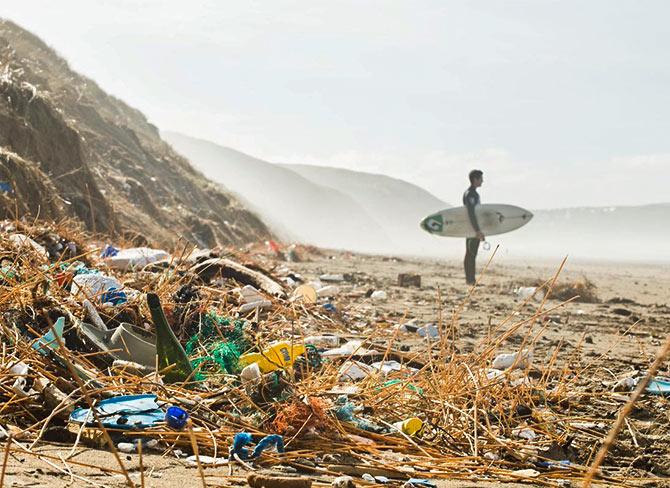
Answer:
(168, 347)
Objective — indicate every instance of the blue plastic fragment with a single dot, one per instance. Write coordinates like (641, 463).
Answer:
(244, 438)
(109, 251)
(48, 340)
(268, 442)
(659, 386)
(422, 482)
(329, 307)
(114, 296)
(123, 412)
(6, 187)
(176, 417)
(239, 441)
(564, 464)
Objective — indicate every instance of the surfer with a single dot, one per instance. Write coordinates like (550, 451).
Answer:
(471, 200)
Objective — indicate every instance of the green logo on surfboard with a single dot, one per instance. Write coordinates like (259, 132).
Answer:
(434, 223)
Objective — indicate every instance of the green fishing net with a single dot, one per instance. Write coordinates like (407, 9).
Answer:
(223, 342)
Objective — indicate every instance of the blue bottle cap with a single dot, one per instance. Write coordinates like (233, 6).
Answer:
(176, 417)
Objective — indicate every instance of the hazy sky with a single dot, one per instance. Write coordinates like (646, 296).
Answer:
(561, 103)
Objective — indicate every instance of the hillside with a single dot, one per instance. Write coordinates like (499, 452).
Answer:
(396, 204)
(296, 208)
(68, 149)
(324, 206)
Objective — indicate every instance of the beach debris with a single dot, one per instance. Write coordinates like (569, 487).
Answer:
(390, 413)
(379, 295)
(206, 461)
(519, 359)
(124, 343)
(176, 417)
(328, 291)
(97, 287)
(260, 481)
(354, 371)
(134, 412)
(332, 278)
(429, 330)
(239, 449)
(52, 339)
(409, 279)
(132, 258)
(227, 268)
(411, 426)
(625, 384)
(659, 386)
(172, 359)
(419, 483)
(343, 482)
(23, 242)
(279, 355)
(350, 348)
(525, 292)
(305, 294)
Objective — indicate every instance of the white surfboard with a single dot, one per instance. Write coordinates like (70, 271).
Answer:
(493, 219)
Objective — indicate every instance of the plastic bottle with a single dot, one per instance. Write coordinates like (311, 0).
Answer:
(170, 352)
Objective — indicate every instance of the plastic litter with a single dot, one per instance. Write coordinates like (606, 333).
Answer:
(506, 361)
(329, 307)
(386, 367)
(419, 483)
(109, 251)
(332, 278)
(122, 412)
(410, 426)
(348, 349)
(428, 330)
(20, 370)
(354, 371)
(93, 287)
(22, 241)
(243, 439)
(206, 461)
(123, 343)
(251, 373)
(176, 417)
(279, 355)
(525, 292)
(50, 340)
(328, 291)
(323, 340)
(379, 295)
(135, 257)
(659, 386)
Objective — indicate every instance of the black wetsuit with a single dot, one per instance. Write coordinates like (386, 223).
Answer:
(471, 200)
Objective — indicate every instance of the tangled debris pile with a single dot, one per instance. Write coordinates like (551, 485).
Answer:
(194, 352)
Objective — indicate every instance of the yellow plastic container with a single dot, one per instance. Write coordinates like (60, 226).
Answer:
(280, 355)
(410, 426)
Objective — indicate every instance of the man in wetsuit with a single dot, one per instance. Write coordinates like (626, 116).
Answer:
(471, 200)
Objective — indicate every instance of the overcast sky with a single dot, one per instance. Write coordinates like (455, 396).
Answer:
(561, 103)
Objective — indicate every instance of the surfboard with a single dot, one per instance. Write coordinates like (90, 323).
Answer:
(493, 219)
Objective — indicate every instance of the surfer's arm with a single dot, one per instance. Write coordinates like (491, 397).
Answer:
(470, 205)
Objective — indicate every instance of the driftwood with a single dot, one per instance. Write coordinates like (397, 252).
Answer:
(230, 269)
(258, 481)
